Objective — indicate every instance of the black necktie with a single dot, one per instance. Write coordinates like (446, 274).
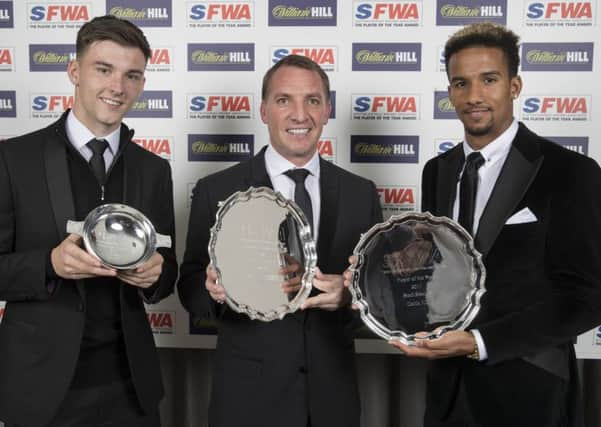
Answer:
(98, 146)
(301, 195)
(468, 189)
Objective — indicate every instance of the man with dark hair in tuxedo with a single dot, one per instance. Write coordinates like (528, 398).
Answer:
(534, 209)
(75, 345)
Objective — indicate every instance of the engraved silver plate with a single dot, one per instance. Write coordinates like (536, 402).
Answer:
(256, 233)
(120, 236)
(417, 273)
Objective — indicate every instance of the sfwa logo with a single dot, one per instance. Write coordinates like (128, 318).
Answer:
(548, 13)
(390, 14)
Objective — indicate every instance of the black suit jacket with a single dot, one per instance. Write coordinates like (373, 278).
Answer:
(40, 334)
(260, 366)
(543, 284)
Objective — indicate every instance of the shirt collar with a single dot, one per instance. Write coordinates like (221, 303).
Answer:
(79, 135)
(276, 164)
(499, 147)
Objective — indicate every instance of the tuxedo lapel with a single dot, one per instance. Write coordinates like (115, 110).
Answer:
(257, 174)
(446, 183)
(132, 182)
(520, 168)
(328, 186)
(59, 183)
(58, 180)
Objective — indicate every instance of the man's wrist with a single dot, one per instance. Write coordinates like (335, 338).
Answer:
(482, 352)
(475, 354)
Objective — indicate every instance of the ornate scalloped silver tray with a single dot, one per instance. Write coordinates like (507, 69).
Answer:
(256, 233)
(120, 236)
(417, 273)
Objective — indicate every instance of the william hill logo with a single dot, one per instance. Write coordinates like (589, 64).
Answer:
(153, 104)
(302, 13)
(557, 56)
(161, 322)
(59, 15)
(50, 106)
(8, 103)
(220, 106)
(384, 148)
(7, 55)
(469, 12)
(220, 147)
(6, 14)
(325, 56)
(50, 57)
(443, 108)
(396, 199)
(373, 14)
(387, 56)
(161, 59)
(326, 147)
(162, 146)
(230, 14)
(143, 13)
(221, 57)
(578, 144)
(385, 107)
(556, 108)
(547, 13)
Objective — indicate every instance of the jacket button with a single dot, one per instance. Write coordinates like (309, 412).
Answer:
(302, 370)
(80, 307)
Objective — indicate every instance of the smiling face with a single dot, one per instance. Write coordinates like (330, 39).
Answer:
(108, 79)
(482, 93)
(295, 109)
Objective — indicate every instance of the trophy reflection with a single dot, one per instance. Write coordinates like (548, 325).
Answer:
(417, 273)
(407, 262)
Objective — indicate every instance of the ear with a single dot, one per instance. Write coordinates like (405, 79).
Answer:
(328, 112)
(450, 95)
(73, 72)
(263, 112)
(515, 87)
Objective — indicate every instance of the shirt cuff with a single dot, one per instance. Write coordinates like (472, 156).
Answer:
(480, 343)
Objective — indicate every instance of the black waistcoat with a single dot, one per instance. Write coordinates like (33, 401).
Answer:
(103, 357)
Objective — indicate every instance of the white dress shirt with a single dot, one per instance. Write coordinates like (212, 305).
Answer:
(79, 135)
(495, 153)
(276, 165)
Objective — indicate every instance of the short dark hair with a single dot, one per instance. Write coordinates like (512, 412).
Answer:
(489, 35)
(109, 27)
(298, 61)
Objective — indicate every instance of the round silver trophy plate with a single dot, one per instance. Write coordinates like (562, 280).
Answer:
(120, 236)
(256, 233)
(417, 273)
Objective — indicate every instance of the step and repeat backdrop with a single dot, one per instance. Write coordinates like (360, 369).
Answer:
(200, 107)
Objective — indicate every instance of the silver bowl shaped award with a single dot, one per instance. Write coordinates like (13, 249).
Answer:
(417, 276)
(256, 233)
(118, 235)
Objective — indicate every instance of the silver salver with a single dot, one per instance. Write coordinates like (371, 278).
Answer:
(118, 235)
(417, 276)
(256, 233)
